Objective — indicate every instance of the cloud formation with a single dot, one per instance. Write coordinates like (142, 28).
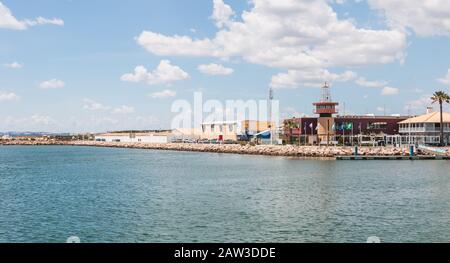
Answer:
(13, 65)
(222, 13)
(291, 34)
(165, 73)
(316, 77)
(8, 21)
(123, 110)
(424, 17)
(215, 69)
(309, 78)
(92, 105)
(8, 96)
(445, 80)
(163, 94)
(389, 91)
(52, 84)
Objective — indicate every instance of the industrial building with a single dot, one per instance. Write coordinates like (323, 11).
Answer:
(133, 137)
(234, 130)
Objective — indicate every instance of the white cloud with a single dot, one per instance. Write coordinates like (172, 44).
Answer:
(35, 122)
(52, 84)
(445, 80)
(8, 96)
(215, 69)
(41, 120)
(8, 21)
(309, 78)
(123, 110)
(388, 91)
(290, 34)
(419, 104)
(177, 45)
(165, 73)
(424, 17)
(93, 105)
(45, 21)
(370, 84)
(222, 13)
(163, 94)
(14, 65)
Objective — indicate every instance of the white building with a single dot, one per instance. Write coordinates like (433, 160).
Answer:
(186, 135)
(426, 128)
(6, 137)
(235, 130)
(225, 130)
(160, 137)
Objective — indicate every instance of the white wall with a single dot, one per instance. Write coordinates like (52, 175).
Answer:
(126, 138)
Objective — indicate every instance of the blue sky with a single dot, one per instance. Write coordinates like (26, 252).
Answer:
(64, 64)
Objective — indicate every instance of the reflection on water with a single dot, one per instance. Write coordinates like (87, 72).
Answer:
(121, 195)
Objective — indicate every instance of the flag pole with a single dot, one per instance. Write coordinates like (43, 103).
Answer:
(305, 134)
(353, 133)
(343, 134)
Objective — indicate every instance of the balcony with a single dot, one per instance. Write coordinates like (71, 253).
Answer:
(423, 130)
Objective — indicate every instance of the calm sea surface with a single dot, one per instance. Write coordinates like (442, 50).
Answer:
(123, 195)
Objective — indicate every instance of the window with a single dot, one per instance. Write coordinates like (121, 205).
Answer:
(213, 128)
(377, 125)
(230, 127)
(221, 128)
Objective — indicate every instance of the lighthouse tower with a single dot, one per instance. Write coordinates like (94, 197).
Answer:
(325, 108)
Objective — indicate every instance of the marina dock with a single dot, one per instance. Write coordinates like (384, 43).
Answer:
(390, 158)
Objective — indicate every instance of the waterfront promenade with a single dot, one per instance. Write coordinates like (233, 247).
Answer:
(268, 150)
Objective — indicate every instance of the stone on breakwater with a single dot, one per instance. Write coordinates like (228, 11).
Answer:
(270, 150)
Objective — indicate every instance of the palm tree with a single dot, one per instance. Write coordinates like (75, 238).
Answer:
(290, 124)
(441, 97)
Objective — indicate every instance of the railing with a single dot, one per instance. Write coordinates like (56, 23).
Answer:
(406, 130)
(405, 139)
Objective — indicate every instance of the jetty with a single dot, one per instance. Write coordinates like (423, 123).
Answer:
(391, 158)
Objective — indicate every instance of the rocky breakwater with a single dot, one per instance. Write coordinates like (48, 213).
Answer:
(448, 151)
(31, 142)
(286, 150)
(269, 150)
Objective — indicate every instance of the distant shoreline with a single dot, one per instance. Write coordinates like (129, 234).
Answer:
(265, 150)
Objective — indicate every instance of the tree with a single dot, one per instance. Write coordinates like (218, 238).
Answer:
(290, 125)
(441, 97)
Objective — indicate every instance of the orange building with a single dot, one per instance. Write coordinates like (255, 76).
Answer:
(325, 123)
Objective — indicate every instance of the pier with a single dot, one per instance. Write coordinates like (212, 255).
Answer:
(391, 158)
